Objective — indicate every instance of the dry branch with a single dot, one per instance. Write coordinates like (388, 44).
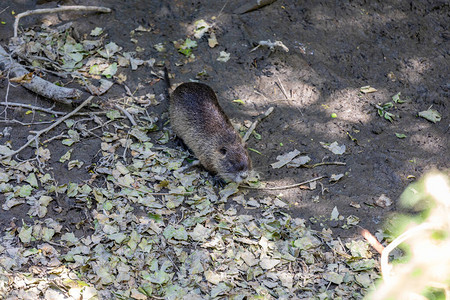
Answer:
(38, 85)
(56, 10)
(283, 187)
(31, 107)
(47, 129)
(252, 5)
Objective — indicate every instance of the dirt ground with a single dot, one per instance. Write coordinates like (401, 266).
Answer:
(335, 48)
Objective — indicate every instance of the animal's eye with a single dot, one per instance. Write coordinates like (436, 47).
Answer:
(223, 150)
(242, 167)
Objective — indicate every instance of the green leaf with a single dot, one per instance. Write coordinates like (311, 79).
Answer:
(72, 189)
(333, 277)
(31, 179)
(256, 135)
(66, 156)
(97, 31)
(24, 191)
(140, 134)
(178, 234)
(68, 142)
(431, 115)
(396, 98)
(189, 44)
(113, 114)
(254, 150)
(110, 49)
(400, 135)
(94, 70)
(110, 71)
(25, 234)
(185, 52)
(388, 116)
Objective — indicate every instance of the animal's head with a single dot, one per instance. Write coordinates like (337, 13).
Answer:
(233, 162)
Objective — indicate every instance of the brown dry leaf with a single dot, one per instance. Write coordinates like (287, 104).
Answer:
(23, 79)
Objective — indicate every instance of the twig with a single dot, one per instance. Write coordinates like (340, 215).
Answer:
(3, 10)
(47, 110)
(59, 136)
(26, 124)
(56, 10)
(254, 124)
(223, 7)
(338, 163)
(252, 5)
(126, 113)
(282, 88)
(45, 130)
(283, 187)
(271, 45)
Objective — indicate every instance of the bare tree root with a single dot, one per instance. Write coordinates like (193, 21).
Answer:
(56, 10)
(47, 129)
(38, 85)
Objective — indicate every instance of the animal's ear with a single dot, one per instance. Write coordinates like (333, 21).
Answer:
(223, 150)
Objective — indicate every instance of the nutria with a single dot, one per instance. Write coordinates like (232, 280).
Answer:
(197, 118)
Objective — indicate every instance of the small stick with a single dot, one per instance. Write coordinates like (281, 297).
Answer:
(4, 9)
(59, 136)
(338, 163)
(126, 113)
(56, 10)
(45, 130)
(283, 187)
(254, 124)
(280, 85)
(47, 110)
(25, 124)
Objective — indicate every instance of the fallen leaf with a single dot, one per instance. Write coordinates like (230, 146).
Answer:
(223, 56)
(383, 201)
(336, 177)
(201, 27)
(367, 89)
(333, 277)
(334, 214)
(334, 147)
(268, 263)
(431, 115)
(285, 158)
(299, 161)
(212, 41)
(96, 31)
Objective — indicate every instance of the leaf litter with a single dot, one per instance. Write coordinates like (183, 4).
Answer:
(183, 243)
(155, 232)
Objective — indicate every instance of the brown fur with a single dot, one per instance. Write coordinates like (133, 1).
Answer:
(197, 118)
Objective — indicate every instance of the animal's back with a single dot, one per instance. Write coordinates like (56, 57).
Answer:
(197, 118)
